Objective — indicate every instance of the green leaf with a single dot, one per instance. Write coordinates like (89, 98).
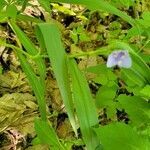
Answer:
(51, 41)
(45, 4)
(105, 100)
(119, 136)
(38, 87)
(127, 3)
(104, 75)
(145, 19)
(146, 91)
(31, 49)
(132, 79)
(2, 4)
(35, 82)
(11, 11)
(84, 104)
(47, 135)
(23, 17)
(138, 109)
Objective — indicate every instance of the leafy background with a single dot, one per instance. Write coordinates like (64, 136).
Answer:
(121, 97)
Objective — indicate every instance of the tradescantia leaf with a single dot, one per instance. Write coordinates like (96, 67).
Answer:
(30, 47)
(146, 91)
(50, 40)
(138, 109)
(105, 100)
(119, 136)
(47, 135)
(37, 83)
(84, 104)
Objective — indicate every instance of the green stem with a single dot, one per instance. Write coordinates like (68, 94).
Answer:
(20, 50)
(100, 51)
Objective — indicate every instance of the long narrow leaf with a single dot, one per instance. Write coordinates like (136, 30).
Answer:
(84, 104)
(35, 83)
(50, 35)
(47, 135)
(31, 49)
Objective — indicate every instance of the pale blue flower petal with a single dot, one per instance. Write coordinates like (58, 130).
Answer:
(126, 62)
(119, 58)
(111, 61)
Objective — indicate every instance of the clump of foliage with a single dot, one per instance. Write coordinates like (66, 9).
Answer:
(55, 52)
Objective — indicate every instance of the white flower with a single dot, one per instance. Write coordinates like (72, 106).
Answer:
(120, 58)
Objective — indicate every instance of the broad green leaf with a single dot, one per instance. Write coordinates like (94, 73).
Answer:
(47, 135)
(84, 104)
(132, 79)
(105, 99)
(146, 91)
(146, 15)
(51, 41)
(11, 11)
(138, 109)
(104, 75)
(145, 19)
(119, 136)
